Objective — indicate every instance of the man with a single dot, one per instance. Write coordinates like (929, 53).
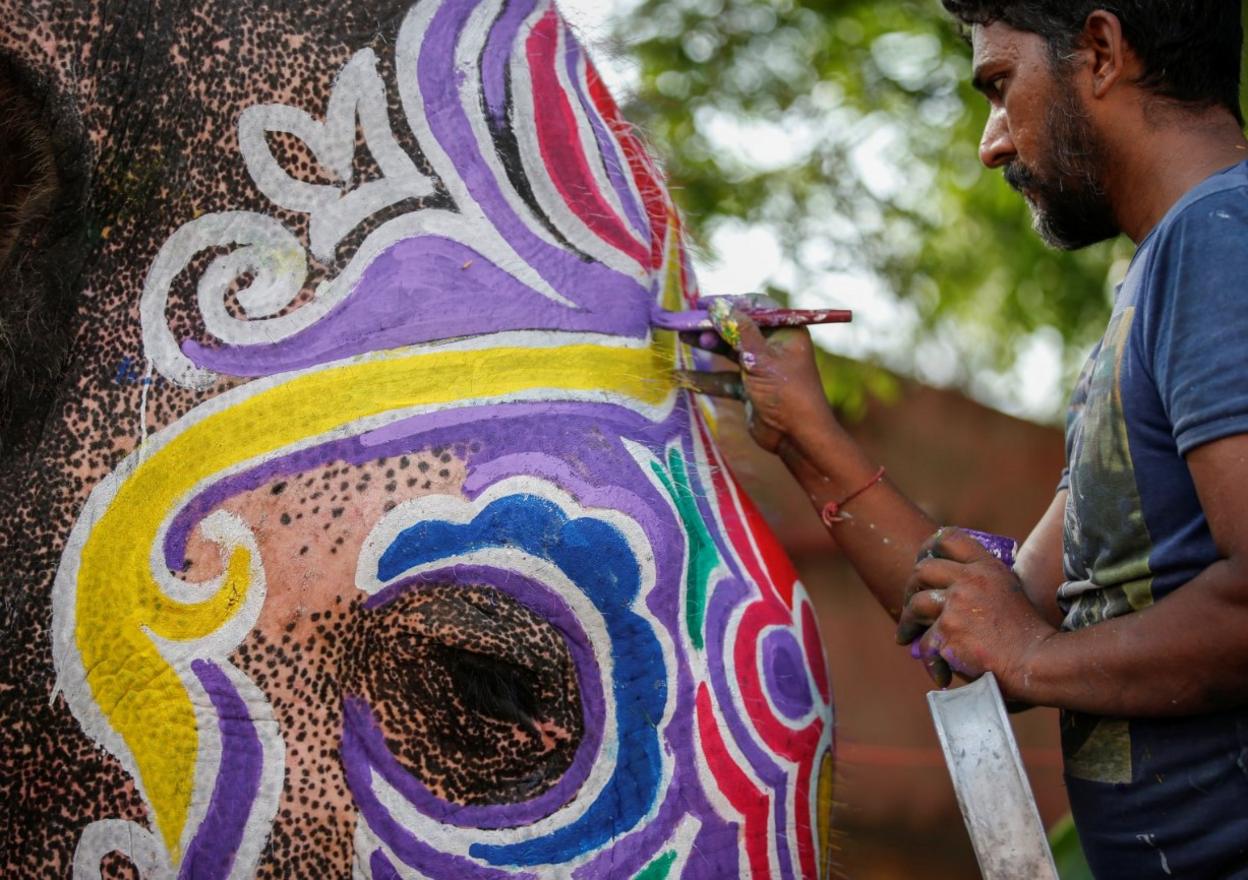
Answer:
(1128, 606)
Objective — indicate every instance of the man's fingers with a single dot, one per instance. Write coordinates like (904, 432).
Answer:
(920, 612)
(928, 651)
(939, 672)
(738, 330)
(708, 340)
(935, 574)
(954, 544)
(725, 383)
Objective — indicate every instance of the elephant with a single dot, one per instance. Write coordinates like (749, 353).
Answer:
(354, 522)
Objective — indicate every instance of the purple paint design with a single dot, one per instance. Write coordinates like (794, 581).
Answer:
(418, 290)
(211, 854)
(381, 868)
(550, 607)
(496, 57)
(591, 284)
(784, 672)
(998, 545)
(728, 595)
(405, 845)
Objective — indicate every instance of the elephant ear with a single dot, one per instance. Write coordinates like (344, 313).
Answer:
(42, 241)
(28, 176)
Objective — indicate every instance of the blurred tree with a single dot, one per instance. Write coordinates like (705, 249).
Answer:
(850, 129)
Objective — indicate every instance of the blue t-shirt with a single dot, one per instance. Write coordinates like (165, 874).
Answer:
(1159, 797)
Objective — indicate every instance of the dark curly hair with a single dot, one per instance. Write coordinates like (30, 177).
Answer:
(1190, 49)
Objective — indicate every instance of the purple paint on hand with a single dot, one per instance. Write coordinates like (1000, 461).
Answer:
(998, 545)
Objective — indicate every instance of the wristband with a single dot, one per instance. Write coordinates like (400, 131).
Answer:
(831, 513)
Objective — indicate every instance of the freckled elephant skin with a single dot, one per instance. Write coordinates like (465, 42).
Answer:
(362, 530)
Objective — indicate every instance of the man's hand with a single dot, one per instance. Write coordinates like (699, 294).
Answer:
(966, 612)
(778, 379)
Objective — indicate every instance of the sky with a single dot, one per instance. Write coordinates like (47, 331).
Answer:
(745, 258)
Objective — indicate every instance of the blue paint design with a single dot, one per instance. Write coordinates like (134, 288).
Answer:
(596, 557)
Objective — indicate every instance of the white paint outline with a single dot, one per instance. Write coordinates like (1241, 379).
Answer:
(358, 91)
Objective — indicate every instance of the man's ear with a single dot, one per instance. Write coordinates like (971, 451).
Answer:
(1111, 56)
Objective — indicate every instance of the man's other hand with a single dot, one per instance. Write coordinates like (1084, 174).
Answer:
(965, 612)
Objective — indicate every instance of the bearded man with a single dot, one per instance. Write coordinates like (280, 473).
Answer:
(1128, 605)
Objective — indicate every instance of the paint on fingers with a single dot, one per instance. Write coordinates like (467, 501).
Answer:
(726, 322)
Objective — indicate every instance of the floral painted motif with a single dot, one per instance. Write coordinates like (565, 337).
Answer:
(507, 315)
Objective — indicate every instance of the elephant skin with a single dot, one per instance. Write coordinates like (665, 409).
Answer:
(353, 521)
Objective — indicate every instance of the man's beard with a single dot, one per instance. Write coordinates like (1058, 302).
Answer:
(1067, 194)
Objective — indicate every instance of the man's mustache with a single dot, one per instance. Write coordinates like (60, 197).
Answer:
(1020, 177)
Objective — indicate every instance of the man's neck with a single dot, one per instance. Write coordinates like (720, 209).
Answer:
(1152, 173)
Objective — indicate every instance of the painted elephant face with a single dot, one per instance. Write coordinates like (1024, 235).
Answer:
(421, 563)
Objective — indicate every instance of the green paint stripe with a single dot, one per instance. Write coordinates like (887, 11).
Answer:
(703, 557)
(659, 868)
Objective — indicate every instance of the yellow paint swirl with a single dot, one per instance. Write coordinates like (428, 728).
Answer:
(119, 604)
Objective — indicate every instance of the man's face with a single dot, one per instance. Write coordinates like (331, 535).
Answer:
(1038, 130)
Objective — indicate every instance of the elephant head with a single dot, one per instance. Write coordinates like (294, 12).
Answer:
(388, 543)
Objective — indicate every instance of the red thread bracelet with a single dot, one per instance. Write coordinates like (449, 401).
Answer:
(831, 513)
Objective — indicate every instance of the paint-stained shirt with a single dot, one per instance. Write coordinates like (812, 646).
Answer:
(1159, 797)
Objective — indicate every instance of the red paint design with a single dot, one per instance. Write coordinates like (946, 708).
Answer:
(559, 140)
(776, 578)
(646, 176)
(736, 786)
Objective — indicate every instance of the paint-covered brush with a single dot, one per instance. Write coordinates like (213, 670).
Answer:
(700, 319)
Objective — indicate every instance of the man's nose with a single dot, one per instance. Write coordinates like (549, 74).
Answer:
(996, 147)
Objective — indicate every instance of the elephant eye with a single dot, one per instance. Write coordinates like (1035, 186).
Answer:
(492, 687)
(475, 694)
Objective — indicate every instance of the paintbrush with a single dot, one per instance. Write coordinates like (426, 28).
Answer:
(700, 319)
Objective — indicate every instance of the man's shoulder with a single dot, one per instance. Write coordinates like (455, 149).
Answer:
(1218, 204)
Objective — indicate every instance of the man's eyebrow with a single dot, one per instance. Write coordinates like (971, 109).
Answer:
(979, 78)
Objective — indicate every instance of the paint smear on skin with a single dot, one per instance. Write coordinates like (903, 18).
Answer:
(658, 869)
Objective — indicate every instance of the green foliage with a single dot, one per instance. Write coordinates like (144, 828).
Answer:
(854, 84)
(1068, 851)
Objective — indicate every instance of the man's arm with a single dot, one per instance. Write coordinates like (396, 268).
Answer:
(1185, 655)
(1038, 562)
(882, 531)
